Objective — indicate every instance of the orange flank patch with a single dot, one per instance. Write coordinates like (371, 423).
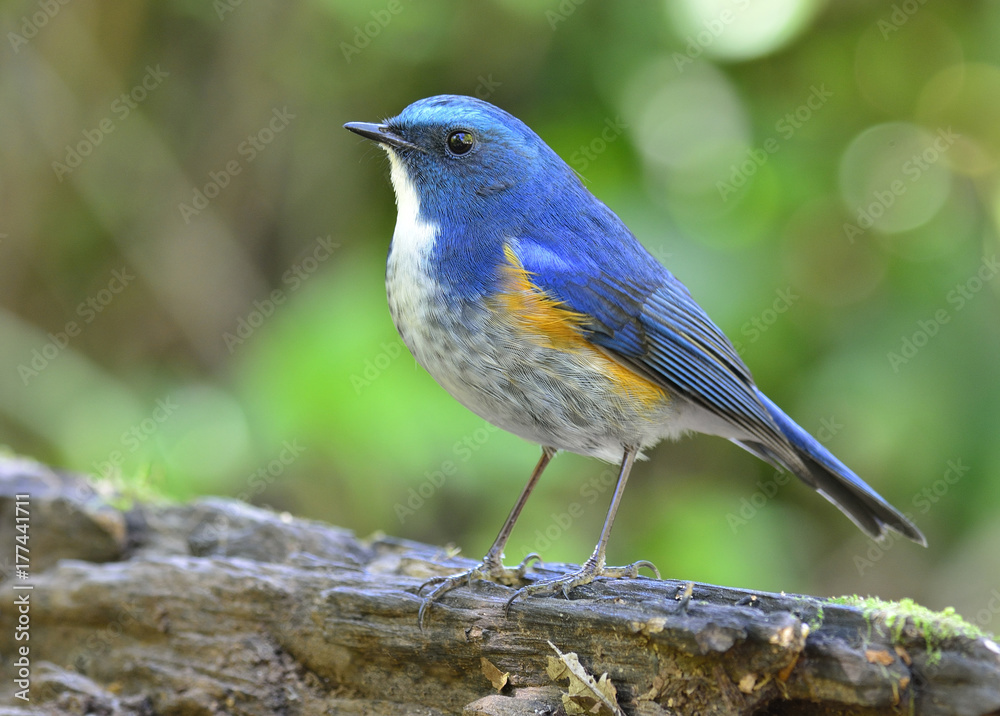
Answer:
(546, 321)
(542, 316)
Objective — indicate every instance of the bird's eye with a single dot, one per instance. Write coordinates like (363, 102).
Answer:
(460, 142)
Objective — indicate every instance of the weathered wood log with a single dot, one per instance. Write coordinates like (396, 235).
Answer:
(219, 607)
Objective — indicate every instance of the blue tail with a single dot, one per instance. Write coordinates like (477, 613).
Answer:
(834, 480)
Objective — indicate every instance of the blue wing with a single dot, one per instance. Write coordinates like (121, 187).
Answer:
(645, 318)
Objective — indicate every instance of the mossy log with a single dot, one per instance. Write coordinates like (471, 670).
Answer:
(218, 607)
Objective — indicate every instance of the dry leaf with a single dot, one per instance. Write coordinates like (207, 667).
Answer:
(747, 683)
(490, 671)
(879, 656)
(584, 695)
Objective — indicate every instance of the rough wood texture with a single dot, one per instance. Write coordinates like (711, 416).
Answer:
(217, 607)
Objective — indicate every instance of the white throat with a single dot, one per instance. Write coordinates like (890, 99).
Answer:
(409, 283)
(413, 238)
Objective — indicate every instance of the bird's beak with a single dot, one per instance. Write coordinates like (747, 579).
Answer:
(379, 133)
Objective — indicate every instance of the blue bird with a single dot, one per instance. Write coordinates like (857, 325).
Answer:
(533, 304)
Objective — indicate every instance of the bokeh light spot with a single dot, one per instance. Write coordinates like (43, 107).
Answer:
(926, 47)
(894, 177)
(739, 29)
(965, 99)
(203, 432)
(692, 125)
(822, 264)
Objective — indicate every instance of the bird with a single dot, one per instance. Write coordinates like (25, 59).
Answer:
(531, 302)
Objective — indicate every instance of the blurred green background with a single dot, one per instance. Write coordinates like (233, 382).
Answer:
(192, 254)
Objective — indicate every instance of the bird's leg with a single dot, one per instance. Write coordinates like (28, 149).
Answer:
(595, 566)
(492, 567)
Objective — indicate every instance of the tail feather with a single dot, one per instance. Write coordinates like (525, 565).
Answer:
(835, 481)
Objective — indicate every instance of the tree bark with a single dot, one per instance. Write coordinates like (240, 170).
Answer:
(220, 607)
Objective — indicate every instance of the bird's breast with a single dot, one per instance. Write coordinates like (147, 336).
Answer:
(518, 357)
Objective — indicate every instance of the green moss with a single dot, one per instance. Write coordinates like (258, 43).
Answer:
(813, 606)
(817, 621)
(124, 493)
(935, 627)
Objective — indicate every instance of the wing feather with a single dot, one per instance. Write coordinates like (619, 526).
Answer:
(649, 322)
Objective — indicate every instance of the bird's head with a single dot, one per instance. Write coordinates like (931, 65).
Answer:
(459, 155)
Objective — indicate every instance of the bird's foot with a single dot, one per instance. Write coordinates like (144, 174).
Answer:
(591, 570)
(491, 569)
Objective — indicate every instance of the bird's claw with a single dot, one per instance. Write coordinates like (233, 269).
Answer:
(585, 575)
(492, 570)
